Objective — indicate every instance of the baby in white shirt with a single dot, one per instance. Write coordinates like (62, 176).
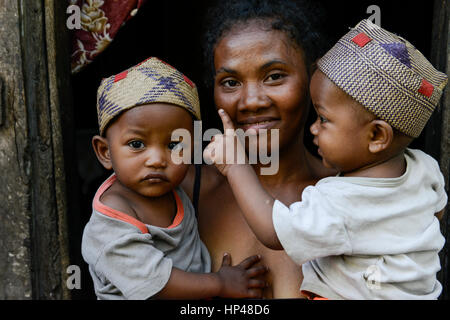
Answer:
(372, 232)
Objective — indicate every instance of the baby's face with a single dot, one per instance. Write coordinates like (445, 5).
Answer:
(140, 147)
(341, 130)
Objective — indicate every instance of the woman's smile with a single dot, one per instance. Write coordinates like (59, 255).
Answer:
(257, 123)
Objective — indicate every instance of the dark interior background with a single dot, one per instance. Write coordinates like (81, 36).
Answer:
(171, 30)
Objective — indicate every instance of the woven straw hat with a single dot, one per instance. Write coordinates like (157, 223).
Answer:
(387, 75)
(150, 81)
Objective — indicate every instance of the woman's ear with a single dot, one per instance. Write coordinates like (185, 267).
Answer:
(381, 136)
(101, 149)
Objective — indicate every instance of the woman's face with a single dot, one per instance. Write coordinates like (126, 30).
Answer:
(261, 81)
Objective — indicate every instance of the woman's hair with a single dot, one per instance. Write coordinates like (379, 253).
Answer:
(300, 20)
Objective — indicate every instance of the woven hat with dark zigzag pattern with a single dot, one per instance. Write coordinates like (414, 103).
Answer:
(151, 81)
(387, 75)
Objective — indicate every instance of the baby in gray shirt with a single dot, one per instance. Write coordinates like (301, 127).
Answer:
(142, 240)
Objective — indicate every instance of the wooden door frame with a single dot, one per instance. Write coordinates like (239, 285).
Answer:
(437, 134)
(36, 111)
(46, 68)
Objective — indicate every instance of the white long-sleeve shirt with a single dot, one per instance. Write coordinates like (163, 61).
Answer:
(368, 238)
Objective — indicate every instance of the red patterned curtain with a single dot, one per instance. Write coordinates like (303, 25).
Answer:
(100, 21)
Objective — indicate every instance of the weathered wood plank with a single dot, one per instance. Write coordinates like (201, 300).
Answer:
(2, 104)
(15, 259)
(45, 246)
(438, 130)
(58, 46)
(33, 233)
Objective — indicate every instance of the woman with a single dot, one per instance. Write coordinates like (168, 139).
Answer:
(261, 54)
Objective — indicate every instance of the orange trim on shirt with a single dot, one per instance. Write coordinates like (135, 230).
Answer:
(116, 214)
(180, 211)
(312, 296)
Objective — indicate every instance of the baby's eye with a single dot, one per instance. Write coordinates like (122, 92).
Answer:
(136, 144)
(175, 145)
(322, 119)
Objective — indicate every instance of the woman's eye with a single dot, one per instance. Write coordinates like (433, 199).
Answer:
(230, 83)
(275, 77)
(175, 145)
(136, 144)
(322, 119)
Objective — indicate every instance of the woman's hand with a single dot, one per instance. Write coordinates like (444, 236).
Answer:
(225, 150)
(241, 281)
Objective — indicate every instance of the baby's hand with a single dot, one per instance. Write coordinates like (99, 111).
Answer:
(240, 281)
(226, 149)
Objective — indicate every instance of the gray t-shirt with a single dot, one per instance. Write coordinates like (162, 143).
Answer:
(368, 238)
(131, 260)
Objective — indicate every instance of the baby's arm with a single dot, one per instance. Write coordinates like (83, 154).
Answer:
(229, 282)
(255, 202)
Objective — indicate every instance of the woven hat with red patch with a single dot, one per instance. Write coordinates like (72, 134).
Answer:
(151, 81)
(387, 75)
